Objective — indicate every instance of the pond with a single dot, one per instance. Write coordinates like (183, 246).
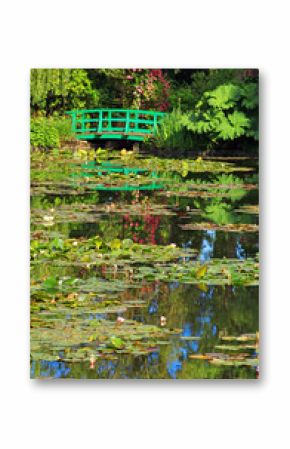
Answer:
(143, 267)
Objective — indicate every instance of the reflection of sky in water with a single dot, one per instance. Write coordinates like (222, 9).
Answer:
(240, 251)
(97, 316)
(153, 306)
(174, 364)
(50, 369)
(173, 285)
(207, 246)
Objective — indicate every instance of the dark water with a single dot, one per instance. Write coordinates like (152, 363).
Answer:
(202, 313)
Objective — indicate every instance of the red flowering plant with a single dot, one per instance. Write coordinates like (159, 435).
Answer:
(146, 89)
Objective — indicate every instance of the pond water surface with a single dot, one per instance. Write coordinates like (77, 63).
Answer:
(99, 311)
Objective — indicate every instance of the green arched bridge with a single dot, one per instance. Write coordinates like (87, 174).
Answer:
(128, 124)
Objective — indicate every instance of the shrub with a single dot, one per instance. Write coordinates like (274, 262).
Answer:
(227, 112)
(48, 133)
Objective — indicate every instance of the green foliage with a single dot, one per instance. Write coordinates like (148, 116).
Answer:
(210, 107)
(49, 132)
(186, 93)
(173, 132)
(61, 89)
(227, 112)
(219, 212)
(62, 126)
(42, 134)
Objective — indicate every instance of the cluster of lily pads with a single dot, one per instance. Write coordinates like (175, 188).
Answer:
(128, 260)
(95, 251)
(86, 340)
(241, 350)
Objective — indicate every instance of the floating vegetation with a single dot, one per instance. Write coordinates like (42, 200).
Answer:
(99, 252)
(215, 272)
(248, 209)
(233, 355)
(80, 213)
(227, 227)
(116, 281)
(84, 340)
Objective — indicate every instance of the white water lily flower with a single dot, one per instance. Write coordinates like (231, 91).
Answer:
(120, 320)
(48, 217)
(163, 320)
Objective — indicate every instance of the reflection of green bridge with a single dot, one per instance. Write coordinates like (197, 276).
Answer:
(128, 124)
(91, 169)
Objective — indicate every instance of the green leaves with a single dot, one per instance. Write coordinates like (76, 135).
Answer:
(225, 113)
(224, 96)
(115, 244)
(116, 342)
(50, 285)
(250, 99)
(43, 134)
(57, 244)
(200, 273)
(98, 242)
(127, 243)
(61, 89)
(232, 126)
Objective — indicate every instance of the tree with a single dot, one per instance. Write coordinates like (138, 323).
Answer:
(58, 90)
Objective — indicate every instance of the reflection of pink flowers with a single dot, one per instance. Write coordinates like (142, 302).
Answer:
(129, 77)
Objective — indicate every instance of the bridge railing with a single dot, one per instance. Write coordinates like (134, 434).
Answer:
(133, 124)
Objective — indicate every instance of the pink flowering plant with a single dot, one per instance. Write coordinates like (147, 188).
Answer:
(146, 89)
